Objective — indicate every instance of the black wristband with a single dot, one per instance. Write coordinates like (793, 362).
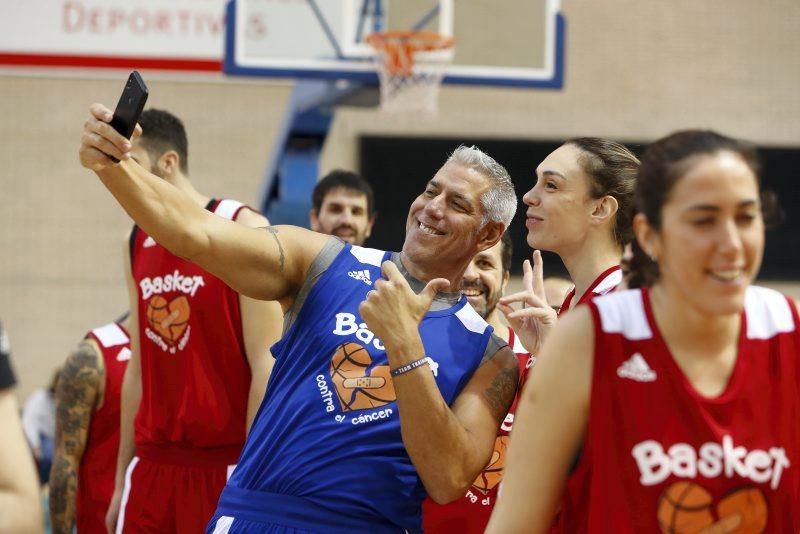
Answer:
(409, 366)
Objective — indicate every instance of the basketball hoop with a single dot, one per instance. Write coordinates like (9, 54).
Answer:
(411, 66)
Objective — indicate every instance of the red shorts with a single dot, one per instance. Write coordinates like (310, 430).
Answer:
(160, 497)
(91, 518)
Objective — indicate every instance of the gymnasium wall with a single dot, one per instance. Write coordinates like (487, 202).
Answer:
(61, 232)
(634, 71)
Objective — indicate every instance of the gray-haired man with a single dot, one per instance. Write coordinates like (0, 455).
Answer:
(421, 385)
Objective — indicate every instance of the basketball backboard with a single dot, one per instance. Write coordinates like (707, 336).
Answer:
(509, 43)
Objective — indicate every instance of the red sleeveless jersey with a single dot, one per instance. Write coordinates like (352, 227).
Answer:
(606, 283)
(471, 513)
(658, 456)
(99, 461)
(195, 374)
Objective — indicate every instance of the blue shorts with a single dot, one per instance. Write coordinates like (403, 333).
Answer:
(224, 524)
(241, 511)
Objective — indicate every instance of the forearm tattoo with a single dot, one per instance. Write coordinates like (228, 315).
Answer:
(76, 396)
(501, 391)
(274, 232)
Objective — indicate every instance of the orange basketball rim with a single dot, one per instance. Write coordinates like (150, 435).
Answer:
(400, 47)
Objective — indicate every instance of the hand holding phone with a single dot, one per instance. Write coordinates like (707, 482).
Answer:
(130, 105)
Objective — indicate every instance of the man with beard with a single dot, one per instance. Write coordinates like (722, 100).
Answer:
(483, 284)
(344, 206)
(485, 281)
(199, 365)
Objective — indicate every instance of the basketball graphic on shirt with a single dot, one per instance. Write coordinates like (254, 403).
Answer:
(492, 474)
(358, 386)
(168, 318)
(685, 507)
(744, 510)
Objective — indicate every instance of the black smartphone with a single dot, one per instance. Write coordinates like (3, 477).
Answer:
(130, 105)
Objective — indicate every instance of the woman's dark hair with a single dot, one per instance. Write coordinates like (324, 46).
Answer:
(663, 163)
(613, 169)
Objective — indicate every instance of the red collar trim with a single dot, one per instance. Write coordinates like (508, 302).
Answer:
(590, 293)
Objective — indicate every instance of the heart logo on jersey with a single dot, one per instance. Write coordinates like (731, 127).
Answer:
(356, 387)
(492, 474)
(687, 507)
(168, 318)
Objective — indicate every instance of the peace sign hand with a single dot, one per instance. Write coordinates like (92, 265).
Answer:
(534, 320)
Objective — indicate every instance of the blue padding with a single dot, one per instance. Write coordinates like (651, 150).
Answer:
(298, 170)
(286, 212)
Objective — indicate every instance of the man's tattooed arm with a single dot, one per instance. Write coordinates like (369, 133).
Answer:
(76, 398)
(501, 391)
(274, 233)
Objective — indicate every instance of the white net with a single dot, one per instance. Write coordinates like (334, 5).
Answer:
(410, 68)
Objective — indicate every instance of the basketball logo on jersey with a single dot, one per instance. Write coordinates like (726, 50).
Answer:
(360, 384)
(711, 460)
(174, 281)
(688, 507)
(492, 474)
(168, 322)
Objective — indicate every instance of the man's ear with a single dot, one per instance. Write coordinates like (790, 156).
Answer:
(169, 164)
(312, 218)
(605, 209)
(490, 234)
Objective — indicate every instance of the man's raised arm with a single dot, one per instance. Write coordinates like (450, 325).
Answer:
(267, 264)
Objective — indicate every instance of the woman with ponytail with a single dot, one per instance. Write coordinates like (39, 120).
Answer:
(581, 208)
(680, 398)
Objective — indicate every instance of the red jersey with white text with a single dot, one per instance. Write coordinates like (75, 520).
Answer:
(99, 461)
(607, 282)
(659, 456)
(471, 513)
(195, 374)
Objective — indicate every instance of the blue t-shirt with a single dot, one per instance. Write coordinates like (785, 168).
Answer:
(328, 430)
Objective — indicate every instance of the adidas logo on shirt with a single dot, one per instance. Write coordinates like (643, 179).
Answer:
(149, 242)
(636, 368)
(361, 275)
